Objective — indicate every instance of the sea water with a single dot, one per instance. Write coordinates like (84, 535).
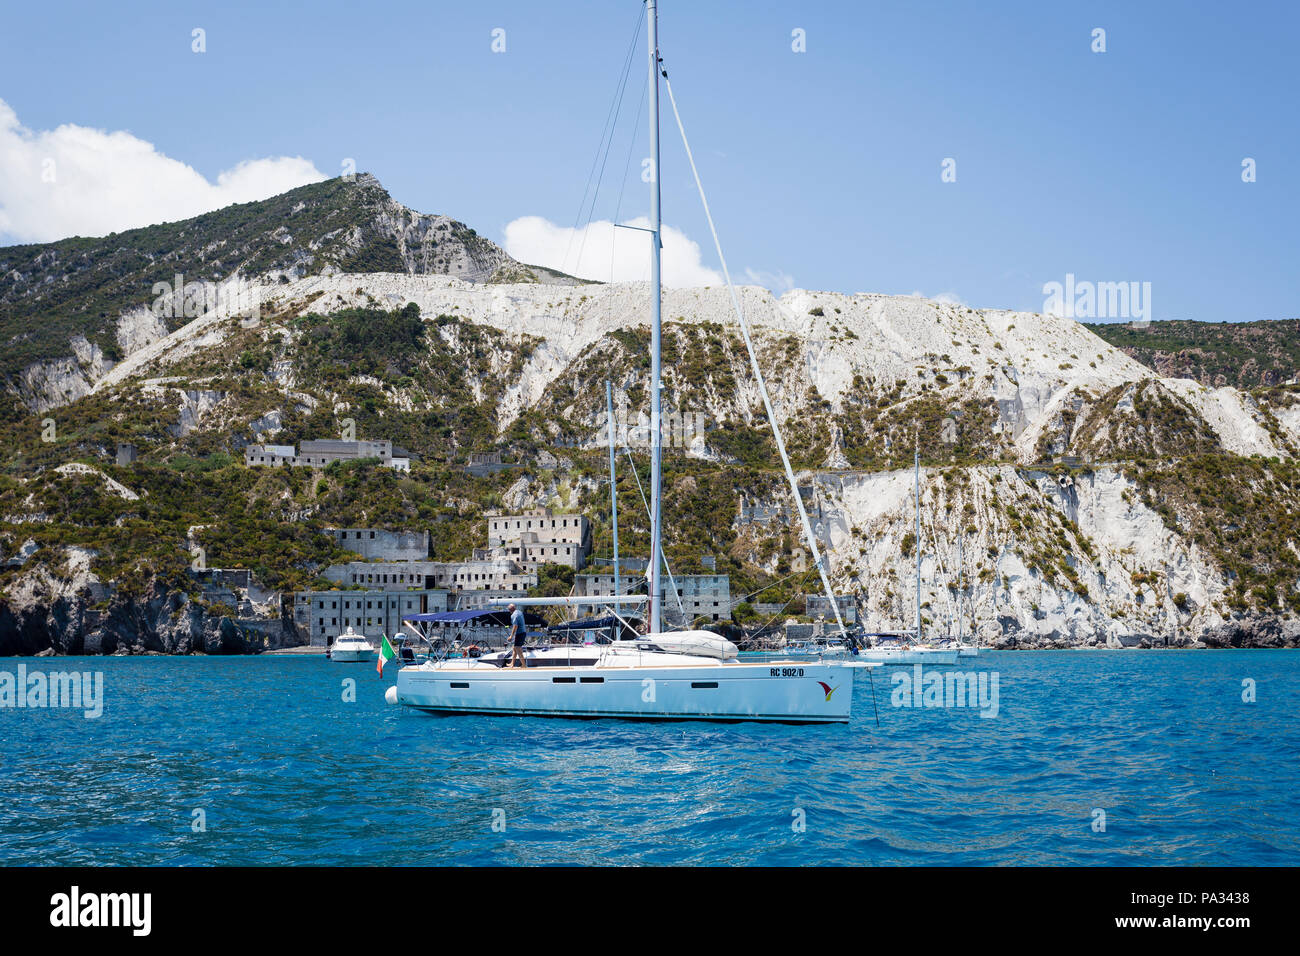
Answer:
(1105, 757)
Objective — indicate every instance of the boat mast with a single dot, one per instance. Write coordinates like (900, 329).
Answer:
(656, 439)
(960, 585)
(613, 489)
(917, 476)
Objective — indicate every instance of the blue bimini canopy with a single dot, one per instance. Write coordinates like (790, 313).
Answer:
(587, 624)
(488, 616)
(889, 635)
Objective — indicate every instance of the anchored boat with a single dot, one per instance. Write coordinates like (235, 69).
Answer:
(822, 647)
(351, 648)
(631, 679)
(892, 647)
(907, 647)
(665, 674)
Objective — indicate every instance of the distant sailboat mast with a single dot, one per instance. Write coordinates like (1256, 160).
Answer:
(961, 583)
(656, 447)
(917, 481)
(613, 487)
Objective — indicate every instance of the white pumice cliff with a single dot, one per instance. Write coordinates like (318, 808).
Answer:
(1030, 367)
(1044, 518)
(1032, 364)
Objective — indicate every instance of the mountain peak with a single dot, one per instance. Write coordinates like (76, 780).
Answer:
(58, 294)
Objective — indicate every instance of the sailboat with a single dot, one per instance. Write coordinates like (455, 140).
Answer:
(955, 623)
(963, 649)
(903, 647)
(664, 675)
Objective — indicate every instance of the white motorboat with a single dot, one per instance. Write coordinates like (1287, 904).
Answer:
(351, 648)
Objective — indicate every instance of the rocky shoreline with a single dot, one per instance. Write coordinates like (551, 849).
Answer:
(171, 622)
(1263, 632)
(161, 621)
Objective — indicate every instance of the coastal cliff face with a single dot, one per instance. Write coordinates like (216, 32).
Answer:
(1071, 495)
(43, 615)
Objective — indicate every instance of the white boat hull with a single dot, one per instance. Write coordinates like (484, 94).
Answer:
(351, 648)
(909, 655)
(818, 652)
(683, 689)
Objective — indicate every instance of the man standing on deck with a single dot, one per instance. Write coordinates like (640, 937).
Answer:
(518, 634)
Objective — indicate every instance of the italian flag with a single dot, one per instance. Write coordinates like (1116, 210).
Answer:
(386, 654)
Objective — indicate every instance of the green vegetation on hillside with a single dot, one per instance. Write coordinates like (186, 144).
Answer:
(439, 386)
(51, 292)
(267, 519)
(1245, 512)
(1242, 354)
(1138, 421)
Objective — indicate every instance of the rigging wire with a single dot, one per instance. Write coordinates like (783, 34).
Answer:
(803, 581)
(627, 165)
(734, 601)
(601, 178)
(603, 148)
(672, 583)
(819, 562)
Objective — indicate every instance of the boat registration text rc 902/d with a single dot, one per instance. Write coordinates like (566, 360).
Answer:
(786, 672)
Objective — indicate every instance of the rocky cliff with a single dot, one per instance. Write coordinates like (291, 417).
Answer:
(44, 615)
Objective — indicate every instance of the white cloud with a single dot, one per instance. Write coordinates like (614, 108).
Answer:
(602, 252)
(75, 180)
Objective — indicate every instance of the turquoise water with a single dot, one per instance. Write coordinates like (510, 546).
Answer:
(285, 771)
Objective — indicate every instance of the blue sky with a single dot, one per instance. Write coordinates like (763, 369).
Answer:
(823, 167)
